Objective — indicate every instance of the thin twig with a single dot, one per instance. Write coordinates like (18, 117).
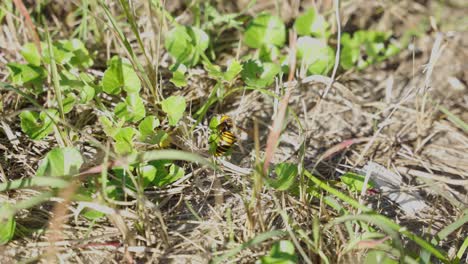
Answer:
(338, 48)
(32, 29)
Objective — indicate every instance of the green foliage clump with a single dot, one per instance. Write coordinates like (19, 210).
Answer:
(365, 48)
(186, 44)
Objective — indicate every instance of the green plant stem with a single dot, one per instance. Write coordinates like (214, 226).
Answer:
(53, 182)
(55, 77)
(454, 119)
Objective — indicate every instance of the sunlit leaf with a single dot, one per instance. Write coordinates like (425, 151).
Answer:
(286, 174)
(7, 223)
(366, 47)
(258, 74)
(148, 173)
(22, 74)
(31, 54)
(60, 162)
(282, 252)
(147, 126)
(377, 256)
(178, 76)
(233, 69)
(186, 44)
(124, 140)
(315, 54)
(355, 181)
(311, 23)
(80, 53)
(265, 29)
(86, 94)
(68, 103)
(120, 75)
(132, 109)
(269, 53)
(174, 107)
(214, 71)
(109, 127)
(37, 125)
(166, 175)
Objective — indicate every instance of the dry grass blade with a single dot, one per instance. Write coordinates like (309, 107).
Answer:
(32, 29)
(275, 131)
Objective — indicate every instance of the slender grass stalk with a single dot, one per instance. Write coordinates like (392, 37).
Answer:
(55, 77)
(121, 36)
(133, 24)
(444, 233)
(253, 242)
(462, 250)
(377, 219)
(454, 119)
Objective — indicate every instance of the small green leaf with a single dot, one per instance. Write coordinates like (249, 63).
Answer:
(120, 75)
(281, 252)
(316, 55)
(178, 76)
(61, 56)
(86, 94)
(258, 74)
(355, 182)
(132, 110)
(377, 256)
(92, 214)
(60, 162)
(68, 103)
(265, 29)
(37, 125)
(179, 44)
(110, 128)
(147, 126)
(80, 55)
(214, 122)
(31, 54)
(186, 43)
(202, 40)
(124, 140)
(269, 53)
(214, 71)
(7, 223)
(350, 52)
(365, 48)
(311, 23)
(286, 174)
(174, 107)
(160, 173)
(22, 74)
(148, 173)
(233, 69)
(161, 139)
(175, 172)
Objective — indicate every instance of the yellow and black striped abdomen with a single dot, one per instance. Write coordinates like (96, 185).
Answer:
(227, 139)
